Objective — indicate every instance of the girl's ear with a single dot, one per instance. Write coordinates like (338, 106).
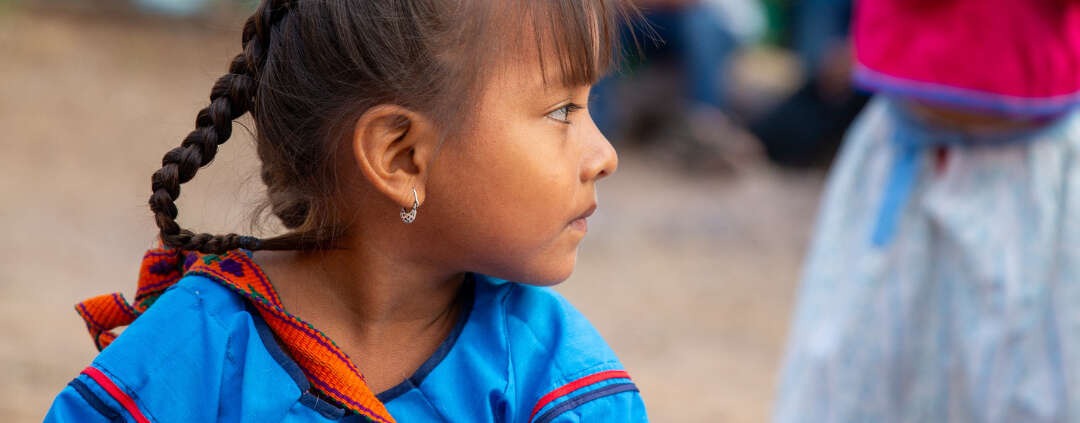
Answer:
(394, 147)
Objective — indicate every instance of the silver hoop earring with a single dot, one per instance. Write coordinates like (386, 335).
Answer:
(408, 216)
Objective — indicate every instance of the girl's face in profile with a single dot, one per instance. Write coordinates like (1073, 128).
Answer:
(511, 193)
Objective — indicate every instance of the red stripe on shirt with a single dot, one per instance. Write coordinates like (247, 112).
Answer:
(575, 385)
(120, 397)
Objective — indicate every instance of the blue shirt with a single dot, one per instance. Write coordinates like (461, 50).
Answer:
(202, 353)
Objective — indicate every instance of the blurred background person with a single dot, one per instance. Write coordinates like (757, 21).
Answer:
(674, 96)
(806, 127)
(942, 282)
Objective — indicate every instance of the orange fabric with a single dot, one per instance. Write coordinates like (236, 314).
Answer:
(102, 314)
(160, 269)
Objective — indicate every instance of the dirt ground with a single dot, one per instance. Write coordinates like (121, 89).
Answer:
(689, 277)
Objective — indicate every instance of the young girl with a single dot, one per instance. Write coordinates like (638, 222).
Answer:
(420, 153)
(943, 284)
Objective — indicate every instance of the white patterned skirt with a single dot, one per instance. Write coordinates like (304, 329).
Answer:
(941, 287)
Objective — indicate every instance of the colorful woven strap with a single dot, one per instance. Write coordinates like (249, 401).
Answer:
(326, 366)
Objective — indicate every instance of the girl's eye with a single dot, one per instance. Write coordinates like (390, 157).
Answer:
(562, 114)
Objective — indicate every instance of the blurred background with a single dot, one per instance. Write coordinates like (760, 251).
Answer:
(724, 129)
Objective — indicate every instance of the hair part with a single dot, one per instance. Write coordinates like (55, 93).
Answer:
(310, 68)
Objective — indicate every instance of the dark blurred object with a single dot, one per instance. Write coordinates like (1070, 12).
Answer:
(806, 129)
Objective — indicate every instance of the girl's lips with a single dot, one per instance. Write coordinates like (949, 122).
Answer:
(581, 224)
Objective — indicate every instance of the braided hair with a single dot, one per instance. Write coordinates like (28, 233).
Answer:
(308, 69)
(231, 97)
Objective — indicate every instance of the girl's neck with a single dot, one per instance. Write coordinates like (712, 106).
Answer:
(368, 289)
(388, 316)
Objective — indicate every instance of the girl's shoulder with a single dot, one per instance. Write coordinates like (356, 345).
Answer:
(540, 324)
(564, 370)
(530, 356)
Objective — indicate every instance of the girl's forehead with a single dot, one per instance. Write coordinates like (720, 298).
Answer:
(529, 73)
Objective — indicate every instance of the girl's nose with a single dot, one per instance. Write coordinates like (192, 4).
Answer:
(600, 157)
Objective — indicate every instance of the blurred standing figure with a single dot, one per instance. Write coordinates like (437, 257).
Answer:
(943, 283)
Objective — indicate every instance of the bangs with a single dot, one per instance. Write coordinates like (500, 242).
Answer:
(573, 42)
(576, 41)
(583, 36)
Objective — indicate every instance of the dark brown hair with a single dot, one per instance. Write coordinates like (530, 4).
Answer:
(309, 68)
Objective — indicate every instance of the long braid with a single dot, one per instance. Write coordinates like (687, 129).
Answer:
(231, 97)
